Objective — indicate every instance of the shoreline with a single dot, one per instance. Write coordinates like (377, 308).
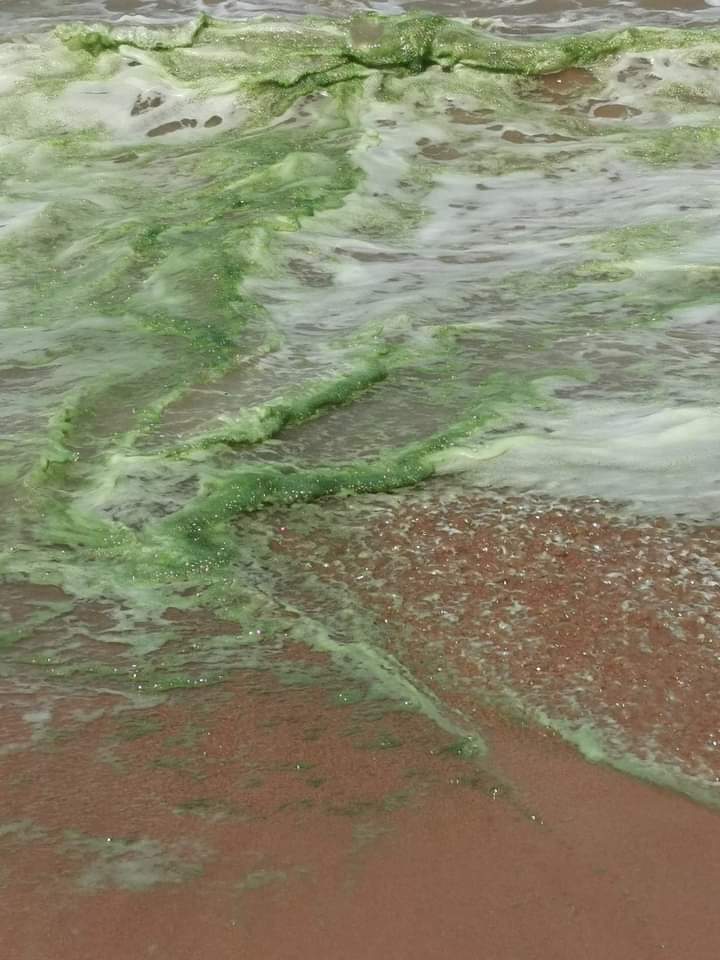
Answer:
(287, 820)
(605, 629)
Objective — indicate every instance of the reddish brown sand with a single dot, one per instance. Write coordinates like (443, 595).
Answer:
(582, 617)
(257, 820)
(284, 827)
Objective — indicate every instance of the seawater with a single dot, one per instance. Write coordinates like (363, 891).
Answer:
(251, 262)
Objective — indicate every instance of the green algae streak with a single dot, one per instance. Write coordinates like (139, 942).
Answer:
(411, 43)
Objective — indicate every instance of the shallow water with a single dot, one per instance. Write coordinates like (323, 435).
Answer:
(252, 263)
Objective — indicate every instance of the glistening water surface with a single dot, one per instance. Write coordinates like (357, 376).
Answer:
(351, 349)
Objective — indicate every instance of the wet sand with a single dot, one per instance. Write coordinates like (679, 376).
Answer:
(265, 820)
(277, 828)
(545, 607)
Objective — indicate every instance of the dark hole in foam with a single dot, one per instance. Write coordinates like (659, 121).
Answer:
(440, 151)
(469, 117)
(172, 126)
(146, 101)
(558, 86)
(165, 128)
(615, 111)
(517, 136)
